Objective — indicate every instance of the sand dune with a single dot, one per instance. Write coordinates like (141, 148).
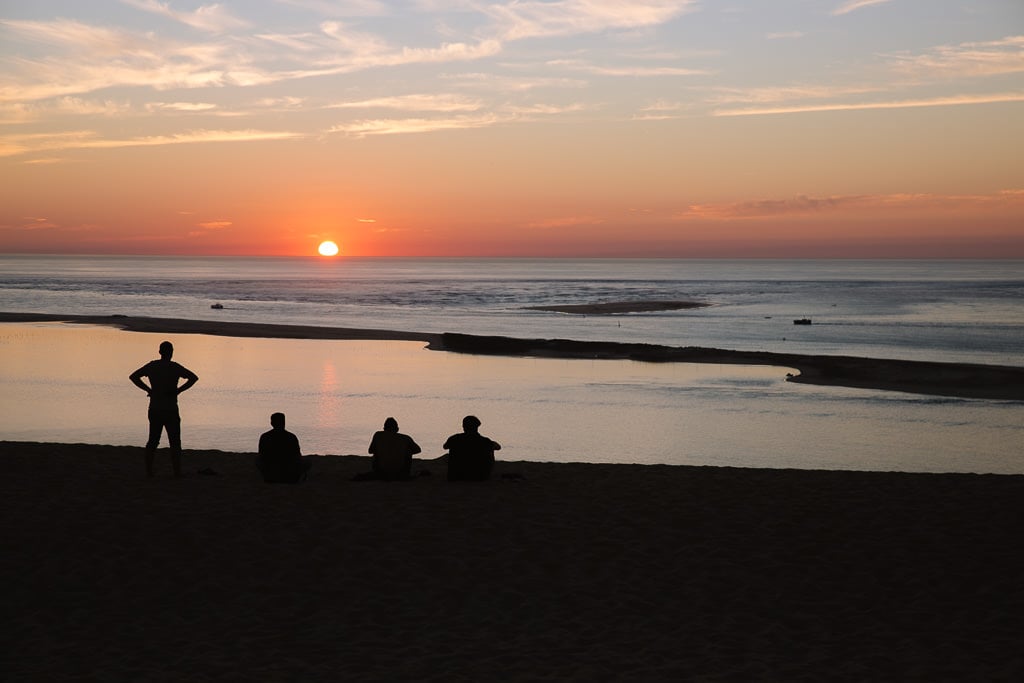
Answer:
(572, 573)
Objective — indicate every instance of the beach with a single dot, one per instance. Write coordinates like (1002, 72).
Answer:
(557, 572)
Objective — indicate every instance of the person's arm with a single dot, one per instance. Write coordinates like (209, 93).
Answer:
(373, 445)
(190, 379)
(414, 447)
(136, 378)
(495, 445)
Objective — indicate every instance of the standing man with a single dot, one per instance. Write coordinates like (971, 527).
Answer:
(163, 390)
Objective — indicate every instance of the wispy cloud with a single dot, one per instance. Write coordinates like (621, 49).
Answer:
(215, 225)
(370, 127)
(971, 60)
(534, 19)
(213, 18)
(806, 205)
(11, 145)
(564, 222)
(417, 102)
(854, 5)
(180, 106)
(955, 100)
(631, 71)
(785, 35)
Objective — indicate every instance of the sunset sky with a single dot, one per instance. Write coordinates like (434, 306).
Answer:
(733, 128)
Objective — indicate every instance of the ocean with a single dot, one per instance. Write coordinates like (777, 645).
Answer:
(68, 383)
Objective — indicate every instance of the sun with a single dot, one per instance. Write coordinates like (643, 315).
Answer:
(328, 248)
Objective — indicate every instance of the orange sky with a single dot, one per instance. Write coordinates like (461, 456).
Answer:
(835, 129)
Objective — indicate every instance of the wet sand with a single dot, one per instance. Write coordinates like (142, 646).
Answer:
(571, 572)
(965, 380)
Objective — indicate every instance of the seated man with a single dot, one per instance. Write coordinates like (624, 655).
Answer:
(392, 452)
(280, 459)
(470, 454)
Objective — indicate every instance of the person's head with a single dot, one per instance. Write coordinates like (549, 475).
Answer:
(277, 420)
(166, 350)
(391, 425)
(470, 423)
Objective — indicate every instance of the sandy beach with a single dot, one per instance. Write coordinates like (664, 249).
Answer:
(965, 380)
(566, 572)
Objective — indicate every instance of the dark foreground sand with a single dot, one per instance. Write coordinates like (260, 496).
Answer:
(966, 380)
(574, 573)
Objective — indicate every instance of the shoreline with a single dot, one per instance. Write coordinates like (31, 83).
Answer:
(959, 380)
(700, 573)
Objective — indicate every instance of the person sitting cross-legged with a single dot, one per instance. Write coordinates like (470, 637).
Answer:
(280, 458)
(470, 454)
(392, 452)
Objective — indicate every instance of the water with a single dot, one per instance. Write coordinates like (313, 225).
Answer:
(69, 383)
(966, 311)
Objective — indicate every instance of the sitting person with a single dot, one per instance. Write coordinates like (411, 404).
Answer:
(392, 452)
(470, 454)
(280, 458)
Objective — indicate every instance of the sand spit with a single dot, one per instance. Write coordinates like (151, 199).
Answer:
(965, 380)
(616, 307)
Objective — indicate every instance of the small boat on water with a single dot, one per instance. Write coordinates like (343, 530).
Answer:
(217, 306)
(802, 321)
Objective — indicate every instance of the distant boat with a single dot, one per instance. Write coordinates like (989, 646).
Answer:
(217, 306)
(802, 321)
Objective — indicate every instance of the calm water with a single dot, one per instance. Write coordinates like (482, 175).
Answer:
(69, 383)
(936, 310)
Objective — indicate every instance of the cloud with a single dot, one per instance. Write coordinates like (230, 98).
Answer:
(404, 126)
(805, 205)
(497, 83)
(955, 100)
(97, 58)
(419, 102)
(628, 71)
(213, 18)
(534, 19)
(11, 145)
(180, 106)
(564, 222)
(215, 225)
(972, 60)
(853, 5)
(784, 35)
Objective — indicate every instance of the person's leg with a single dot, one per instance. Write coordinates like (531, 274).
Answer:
(156, 426)
(173, 425)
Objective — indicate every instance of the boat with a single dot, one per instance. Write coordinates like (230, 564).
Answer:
(217, 306)
(802, 321)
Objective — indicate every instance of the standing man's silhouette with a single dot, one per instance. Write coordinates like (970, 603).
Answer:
(163, 390)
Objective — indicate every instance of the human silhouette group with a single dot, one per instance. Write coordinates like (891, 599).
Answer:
(280, 459)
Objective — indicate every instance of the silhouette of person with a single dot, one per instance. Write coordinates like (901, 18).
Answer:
(392, 452)
(163, 390)
(470, 454)
(280, 458)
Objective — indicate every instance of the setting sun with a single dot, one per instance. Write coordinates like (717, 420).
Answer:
(328, 248)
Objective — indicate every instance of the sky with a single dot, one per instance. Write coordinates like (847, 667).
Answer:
(562, 128)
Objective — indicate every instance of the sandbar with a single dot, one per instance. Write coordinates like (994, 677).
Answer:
(616, 307)
(963, 380)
